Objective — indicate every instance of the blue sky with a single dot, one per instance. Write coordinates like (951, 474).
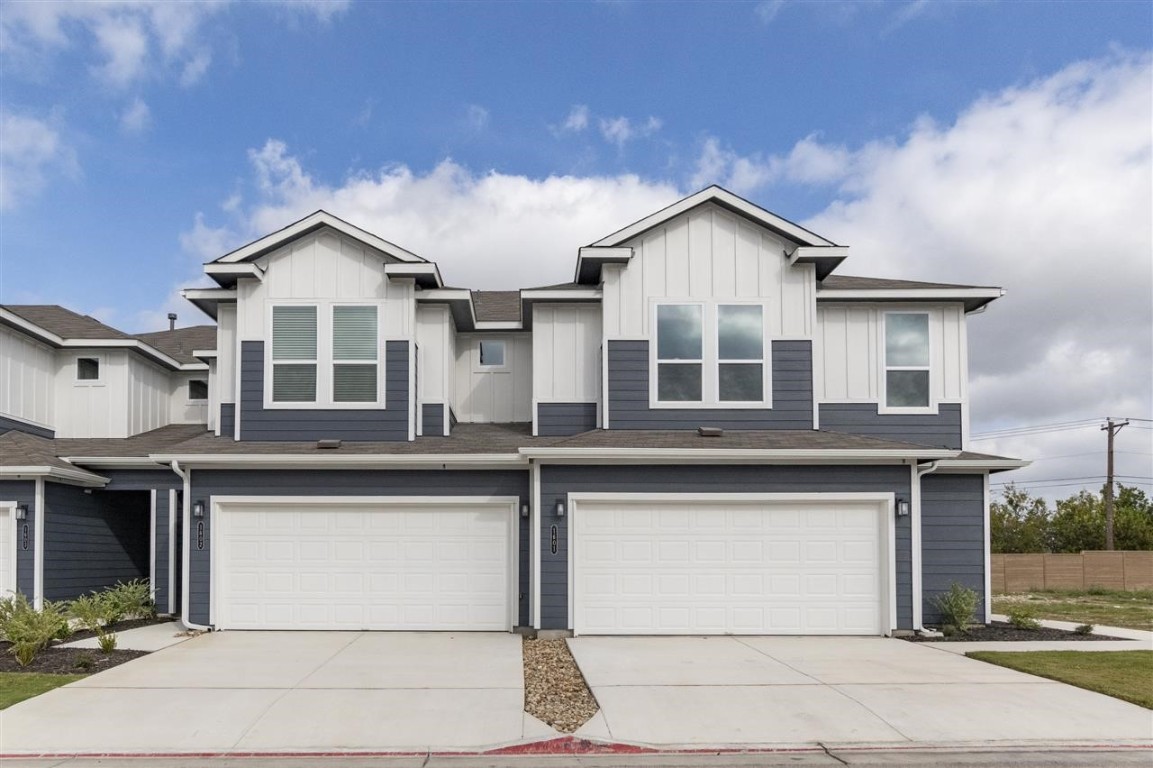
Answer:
(986, 142)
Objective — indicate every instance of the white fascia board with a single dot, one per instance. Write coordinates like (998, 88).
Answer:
(591, 259)
(246, 269)
(456, 298)
(967, 295)
(735, 454)
(205, 353)
(984, 465)
(62, 343)
(445, 294)
(806, 253)
(312, 222)
(425, 273)
(726, 199)
(350, 461)
(115, 462)
(68, 476)
(588, 294)
(207, 299)
(499, 325)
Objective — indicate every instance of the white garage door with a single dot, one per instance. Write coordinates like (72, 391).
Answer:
(7, 552)
(740, 567)
(404, 566)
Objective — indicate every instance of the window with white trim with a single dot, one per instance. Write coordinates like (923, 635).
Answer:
(492, 354)
(197, 389)
(907, 360)
(325, 355)
(710, 354)
(88, 369)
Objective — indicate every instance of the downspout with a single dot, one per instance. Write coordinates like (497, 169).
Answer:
(38, 545)
(919, 471)
(186, 549)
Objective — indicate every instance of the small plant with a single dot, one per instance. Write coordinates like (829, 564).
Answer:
(129, 600)
(107, 641)
(948, 630)
(958, 606)
(90, 611)
(85, 662)
(1084, 629)
(24, 652)
(29, 630)
(1023, 618)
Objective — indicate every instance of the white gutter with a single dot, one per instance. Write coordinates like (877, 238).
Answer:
(983, 464)
(38, 547)
(915, 543)
(761, 454)
(77, 476)
(63, 343)
(113, 462)
(348, 461)
(185, 565)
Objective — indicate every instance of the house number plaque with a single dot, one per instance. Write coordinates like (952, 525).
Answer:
(24, 537)
(552, 540)
(200, 535)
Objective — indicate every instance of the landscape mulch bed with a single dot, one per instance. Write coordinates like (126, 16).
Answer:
(554, 688)
(67, 661)
(84, 634)
(1001, 631)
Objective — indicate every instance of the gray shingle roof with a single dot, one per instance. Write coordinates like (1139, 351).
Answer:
(139, 445)
(18, 449)
(180, 343)
(64, 322)
(496, 306)
(853, 283)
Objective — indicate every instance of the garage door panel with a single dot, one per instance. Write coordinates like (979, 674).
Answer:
(371, 567)
(744, 568)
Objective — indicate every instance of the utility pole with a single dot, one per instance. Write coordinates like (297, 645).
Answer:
(1112, 428)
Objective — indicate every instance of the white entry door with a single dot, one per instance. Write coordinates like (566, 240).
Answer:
(729, 567)
(7, 552)
(439, 564)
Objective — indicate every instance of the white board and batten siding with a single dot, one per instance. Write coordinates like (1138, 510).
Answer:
(184, 410)
(149, 396)
(27, 379)
(323, 268)
(227, 353)
(849, 355)
(566, 342)
(437, 358)
(95, 408)
(493, 395)
(709, 254)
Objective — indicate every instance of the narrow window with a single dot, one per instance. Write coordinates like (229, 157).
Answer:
(741, 353)
(294, 354)
(354, 355)
(492, 354)
(680, 352)
(907, 360)
(87, 369)
(197, 389)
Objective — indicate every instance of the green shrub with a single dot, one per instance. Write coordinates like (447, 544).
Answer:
(1084, 629)
(131, 600)
(85, 662)
(92, 612)
(958, 606)
(24, 652)
(29, 630)
(107, 641)
(1023, 618)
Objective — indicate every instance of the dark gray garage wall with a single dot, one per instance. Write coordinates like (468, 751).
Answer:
(93, 540)
(792, 383)
(432, 482)
(952, 538)
(389, 423)
(161, 481)
(558, 481)
(23, 492)
(940, 430)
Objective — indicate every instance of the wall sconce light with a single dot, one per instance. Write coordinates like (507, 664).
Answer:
(524, 510)
(560, 508)
(198, 509)
(21, 512)
(902, 508)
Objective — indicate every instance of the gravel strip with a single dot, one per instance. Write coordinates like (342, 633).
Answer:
(554, 688)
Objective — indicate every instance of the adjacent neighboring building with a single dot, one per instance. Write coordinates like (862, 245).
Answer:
(707, 431)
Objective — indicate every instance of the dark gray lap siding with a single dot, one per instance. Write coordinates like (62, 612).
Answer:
(558, 481)
(258, 423)
(227, 419)
(952, 538)
(23, 492)
(209, 483)
(161, 482)
(628, 396)
(93, 540)
(560, 419)
(7, 424)
(432, 419)
(941, 429)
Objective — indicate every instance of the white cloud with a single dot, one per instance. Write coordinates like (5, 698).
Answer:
(577, 119)
(476, 117)
(31, 150)
(768, 10)
(621, 130)
(808, 162)
(136, 118)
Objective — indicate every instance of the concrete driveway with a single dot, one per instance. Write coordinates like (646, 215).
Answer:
(785, 691)
(289, 691)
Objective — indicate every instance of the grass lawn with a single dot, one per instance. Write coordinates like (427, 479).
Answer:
(1100, 607)
(1121, 674)
(17, 686)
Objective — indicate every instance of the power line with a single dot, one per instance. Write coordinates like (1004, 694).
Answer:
(1059, 426)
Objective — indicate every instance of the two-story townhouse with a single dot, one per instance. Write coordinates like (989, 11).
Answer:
(707, 431)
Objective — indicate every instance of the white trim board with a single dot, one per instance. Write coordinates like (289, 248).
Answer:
(8, 510)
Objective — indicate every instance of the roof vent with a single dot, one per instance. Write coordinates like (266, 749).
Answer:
(710, 432)
(327, 444)
(172, 321)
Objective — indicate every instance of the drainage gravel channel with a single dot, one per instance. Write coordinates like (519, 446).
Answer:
(555, 691)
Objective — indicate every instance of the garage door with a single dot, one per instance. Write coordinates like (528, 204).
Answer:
(712, 567)
(7, 552)
(403, 566)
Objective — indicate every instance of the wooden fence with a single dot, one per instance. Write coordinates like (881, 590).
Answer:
(1112, 570)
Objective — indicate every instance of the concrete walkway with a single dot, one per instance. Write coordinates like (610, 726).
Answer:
(1135, 640)
(795, 691)
(289, 691)
(151, 638)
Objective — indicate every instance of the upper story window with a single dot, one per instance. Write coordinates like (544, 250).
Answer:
(710, 354)
(907, 359)
(88, 369)
(197, 389)
(325, 355)
(492, 354)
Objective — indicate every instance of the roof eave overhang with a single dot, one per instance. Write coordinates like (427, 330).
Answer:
(973, 298)
(306, 226)
(56, 474)
(459, 301)
(227, 275)
(46, 336)
(530, 298)
(826, 258)
(336, 460)
(749, 455)
(962, 466)
(591, 260)
(115, 462)
(208, 300)
(426, 275)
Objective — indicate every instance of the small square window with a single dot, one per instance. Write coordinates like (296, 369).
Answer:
(492, 353)
(87, 369)
(197, 389)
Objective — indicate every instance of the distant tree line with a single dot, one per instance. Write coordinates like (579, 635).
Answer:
(1024, 523)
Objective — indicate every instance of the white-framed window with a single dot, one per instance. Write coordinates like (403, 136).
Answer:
(197, 390)
(492, 353)
(709, 354)
(324, 355)
(88, 369)
(907, 380)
